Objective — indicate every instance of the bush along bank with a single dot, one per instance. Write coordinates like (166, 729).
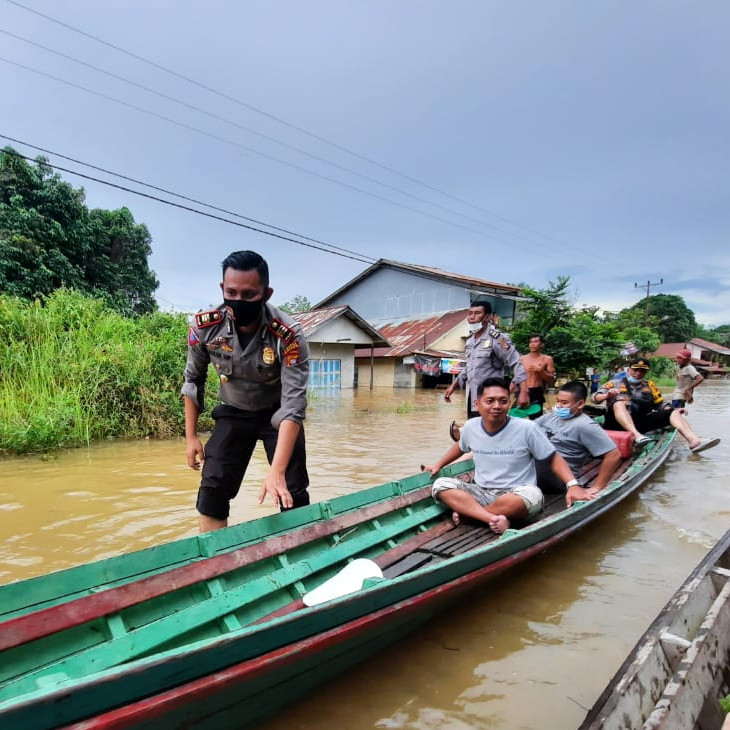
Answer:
(73, 371)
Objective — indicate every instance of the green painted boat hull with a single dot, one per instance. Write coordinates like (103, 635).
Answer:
(215, 652)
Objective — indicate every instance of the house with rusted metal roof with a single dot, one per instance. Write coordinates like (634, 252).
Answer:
(711, 359)
(333, 335)
(421, 310)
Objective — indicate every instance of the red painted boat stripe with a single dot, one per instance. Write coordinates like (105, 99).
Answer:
(47, 621)
(160, 704)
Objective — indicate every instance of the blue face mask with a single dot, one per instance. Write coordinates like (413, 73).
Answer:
(633, 380)
(563, 413)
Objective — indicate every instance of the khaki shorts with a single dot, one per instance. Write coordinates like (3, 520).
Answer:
(530, 495)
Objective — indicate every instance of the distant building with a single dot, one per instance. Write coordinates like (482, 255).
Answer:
(333, 334)
(422, 311)
(711, 359)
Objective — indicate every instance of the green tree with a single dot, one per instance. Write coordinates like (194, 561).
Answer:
(119, 272)
(719, 335)
(298, 303)
(541, 311)
(582, 341)
(668, 315)
(646, 340)
(49, 239)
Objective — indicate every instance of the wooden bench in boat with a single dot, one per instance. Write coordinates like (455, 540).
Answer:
(470, 535)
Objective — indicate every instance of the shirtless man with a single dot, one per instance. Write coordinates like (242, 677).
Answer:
(540, 372)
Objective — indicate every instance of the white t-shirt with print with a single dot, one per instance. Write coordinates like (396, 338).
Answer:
(505, 459)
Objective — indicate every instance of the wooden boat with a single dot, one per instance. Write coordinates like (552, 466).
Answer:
(679, 669)
(215, 631)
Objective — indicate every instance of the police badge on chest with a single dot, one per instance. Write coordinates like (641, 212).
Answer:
(268, 356)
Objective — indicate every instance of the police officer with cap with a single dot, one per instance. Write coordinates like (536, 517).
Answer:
(636, 405)
(262, 362)
(488, 352)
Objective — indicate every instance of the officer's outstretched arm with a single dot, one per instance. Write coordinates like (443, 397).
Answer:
(275, 481)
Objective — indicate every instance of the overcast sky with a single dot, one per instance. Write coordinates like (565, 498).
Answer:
(516, 142)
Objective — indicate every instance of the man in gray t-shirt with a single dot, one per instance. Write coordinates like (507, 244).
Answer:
(577, 439)
(505, 451)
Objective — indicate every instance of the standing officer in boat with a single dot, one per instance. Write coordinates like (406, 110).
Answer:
(488, 352)
(262, 362)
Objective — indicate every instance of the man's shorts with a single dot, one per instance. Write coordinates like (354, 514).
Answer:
(529, 494)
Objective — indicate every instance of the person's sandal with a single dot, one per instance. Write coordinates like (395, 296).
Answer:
(453, 428)
(704, 445)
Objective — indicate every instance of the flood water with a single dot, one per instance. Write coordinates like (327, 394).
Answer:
(531, 650)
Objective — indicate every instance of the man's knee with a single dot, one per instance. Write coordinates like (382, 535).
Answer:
(531, 498)
(442, 485)
(212, 503)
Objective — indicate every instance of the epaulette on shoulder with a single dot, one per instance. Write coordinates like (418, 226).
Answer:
(209, 318)
(284, 333)
(494, 332)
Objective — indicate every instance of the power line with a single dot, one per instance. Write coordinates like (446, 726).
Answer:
(355, 257)
(246, 148)
(267, 137)
(183, 197)
(275, 118)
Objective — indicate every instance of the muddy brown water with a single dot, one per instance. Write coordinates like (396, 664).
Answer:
(531, 650)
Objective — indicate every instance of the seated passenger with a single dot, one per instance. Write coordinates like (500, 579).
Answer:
(635, 404)
(505, 451)
(577, 439)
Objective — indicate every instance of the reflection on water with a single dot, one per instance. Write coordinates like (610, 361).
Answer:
(532, 649)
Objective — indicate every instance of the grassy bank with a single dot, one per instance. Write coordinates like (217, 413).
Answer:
(73, 371)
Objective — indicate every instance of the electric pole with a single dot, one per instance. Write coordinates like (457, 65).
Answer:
(649, 285)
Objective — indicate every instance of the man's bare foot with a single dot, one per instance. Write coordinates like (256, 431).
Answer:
(498, 524)
(456, 518)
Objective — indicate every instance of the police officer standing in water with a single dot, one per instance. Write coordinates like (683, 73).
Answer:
(488, 352)
(262, 362)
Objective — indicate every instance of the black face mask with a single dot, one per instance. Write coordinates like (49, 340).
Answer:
(245, 313)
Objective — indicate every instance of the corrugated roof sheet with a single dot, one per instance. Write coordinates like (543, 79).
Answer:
(415, 335)
(713, 346)
(315, 318)
(668, 349)
(312, 320)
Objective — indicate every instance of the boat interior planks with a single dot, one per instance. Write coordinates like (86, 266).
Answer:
(680, 667)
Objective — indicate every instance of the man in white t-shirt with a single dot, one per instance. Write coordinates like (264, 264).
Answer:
(504, 451)
(687, 380)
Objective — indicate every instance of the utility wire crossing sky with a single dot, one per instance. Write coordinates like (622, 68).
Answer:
(515, 144)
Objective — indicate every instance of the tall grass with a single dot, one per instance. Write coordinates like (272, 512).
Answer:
(73, 371)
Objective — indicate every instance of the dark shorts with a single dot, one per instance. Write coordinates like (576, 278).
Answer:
(536, 395)
(228, 452)
(678, 403)
(652, 421)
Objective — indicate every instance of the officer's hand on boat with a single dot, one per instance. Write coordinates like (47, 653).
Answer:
(275, 485)
(195, 453)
